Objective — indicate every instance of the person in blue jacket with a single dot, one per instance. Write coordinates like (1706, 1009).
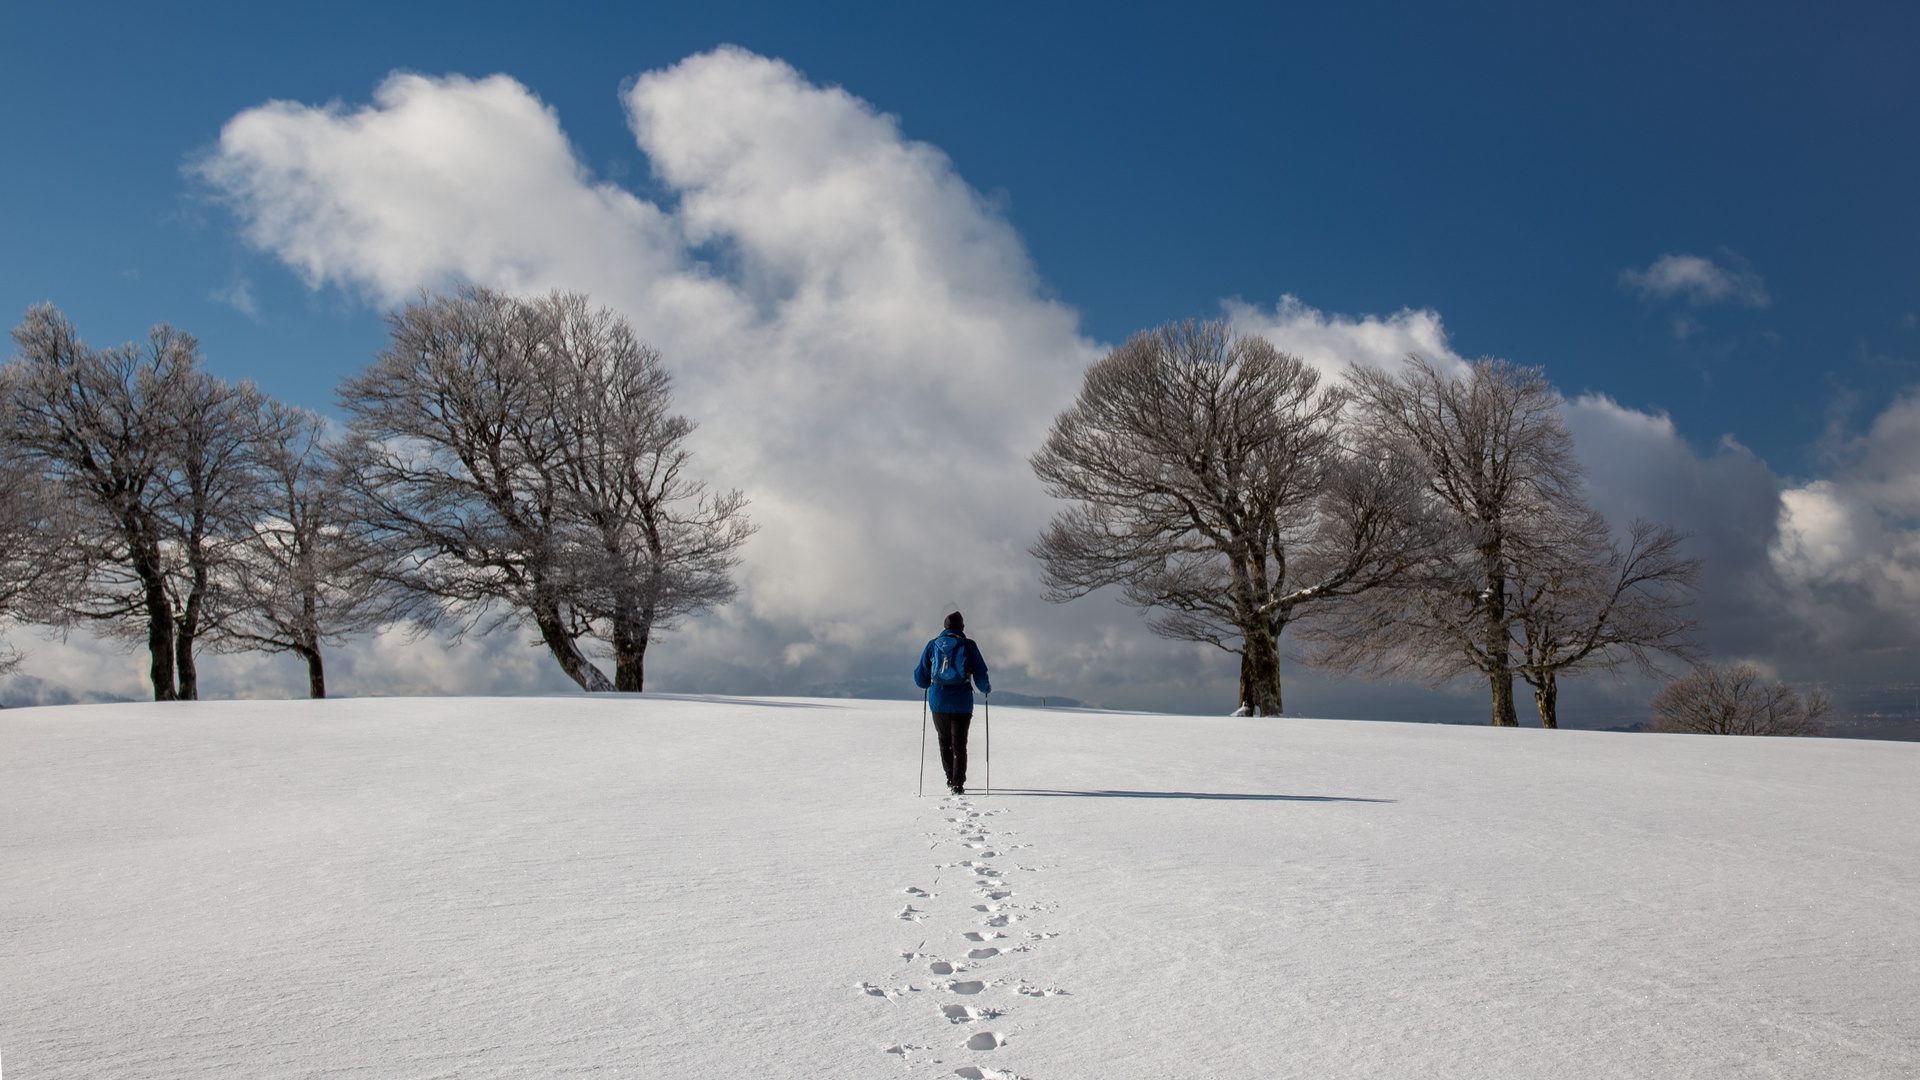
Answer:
(951, 701)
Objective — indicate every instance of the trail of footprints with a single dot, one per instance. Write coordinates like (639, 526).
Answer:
(967, 987)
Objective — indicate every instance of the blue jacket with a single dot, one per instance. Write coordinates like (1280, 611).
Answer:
(952, 699)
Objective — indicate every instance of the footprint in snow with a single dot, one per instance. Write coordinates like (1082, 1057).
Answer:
(986, 1040)
(975, 1072)
(911, 913)
(970, 986)
(940, 967)
(967, 1014)
(912, 890)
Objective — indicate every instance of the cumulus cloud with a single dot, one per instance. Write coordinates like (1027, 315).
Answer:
(1699, 280)
(1849, 544)
(871, 357)
(861, 336)
(1639, 465)
(1331, 342)
(1793, 575)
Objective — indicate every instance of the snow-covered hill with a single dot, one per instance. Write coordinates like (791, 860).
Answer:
(677, 887)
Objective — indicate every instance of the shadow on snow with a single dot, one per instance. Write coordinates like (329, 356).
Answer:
(1183, 795)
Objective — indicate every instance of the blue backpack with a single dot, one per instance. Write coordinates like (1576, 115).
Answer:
(949, 661)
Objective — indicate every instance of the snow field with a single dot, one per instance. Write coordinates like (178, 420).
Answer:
(704, 887)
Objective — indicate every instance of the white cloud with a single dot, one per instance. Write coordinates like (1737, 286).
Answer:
(440, 179)
(1849, 544)
(871, 356)
(1701, 281)
(239, 297)
(1330, 342)
(1639, 465)
(871, 359)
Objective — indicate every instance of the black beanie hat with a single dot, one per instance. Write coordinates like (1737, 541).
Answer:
(955, 622)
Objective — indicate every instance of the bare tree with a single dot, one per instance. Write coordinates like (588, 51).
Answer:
(1499, 467)
(1584, 604)
(151, 453)
(37, 565)
(207, 497)
(1711, 700)
(650, 544)
(1211, 483)
(523, 453)
(305, 575)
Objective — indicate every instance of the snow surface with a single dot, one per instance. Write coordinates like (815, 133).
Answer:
(656, 886)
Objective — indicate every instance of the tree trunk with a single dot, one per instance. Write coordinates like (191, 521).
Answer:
(632, 626)
(316, 672)
(160, 651)
(159, 625)
(310, 645)
(1501, 682)
(183, 663)
(577, 667)
(1499, 662)
(187, 631)
(1260, 673)
(630, 654)
(1546, 698)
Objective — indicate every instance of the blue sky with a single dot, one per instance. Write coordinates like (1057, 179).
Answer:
(1505, 168)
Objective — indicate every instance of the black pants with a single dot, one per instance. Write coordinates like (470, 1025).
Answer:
(952, 729)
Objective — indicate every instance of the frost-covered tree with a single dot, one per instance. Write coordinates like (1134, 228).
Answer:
(1497, 462)
(650, 543)
(1213, 481)
(37, 567)
(152, 455)
(1528, 581)
(305, 574)
(522, 455)
(1737, 700)
(1585, 603)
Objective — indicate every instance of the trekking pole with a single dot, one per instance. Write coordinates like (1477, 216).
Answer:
(923, 745)
(987, 700)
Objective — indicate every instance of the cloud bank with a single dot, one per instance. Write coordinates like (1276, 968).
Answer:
(871, 356)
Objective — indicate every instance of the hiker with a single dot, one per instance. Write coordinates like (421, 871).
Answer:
(945, 665)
